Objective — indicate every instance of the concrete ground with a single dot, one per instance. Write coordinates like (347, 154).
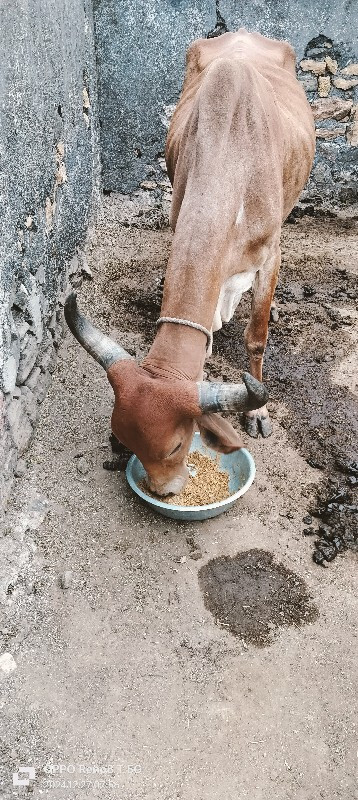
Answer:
(116, 680)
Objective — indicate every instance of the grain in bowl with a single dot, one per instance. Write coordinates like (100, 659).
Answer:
(207, 483)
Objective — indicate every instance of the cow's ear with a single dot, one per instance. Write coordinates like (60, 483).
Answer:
(219, 434)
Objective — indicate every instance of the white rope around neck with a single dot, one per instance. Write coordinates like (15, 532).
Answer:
(189, 324)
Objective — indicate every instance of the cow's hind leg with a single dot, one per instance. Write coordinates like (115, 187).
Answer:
(256, 333)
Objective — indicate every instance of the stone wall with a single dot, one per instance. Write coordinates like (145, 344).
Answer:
(330, 77)
(141, 51)
(49, 174)
(140, 57)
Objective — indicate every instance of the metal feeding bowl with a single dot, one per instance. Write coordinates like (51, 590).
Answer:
(239, 465)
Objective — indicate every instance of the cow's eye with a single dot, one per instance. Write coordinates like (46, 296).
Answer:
(176, 449)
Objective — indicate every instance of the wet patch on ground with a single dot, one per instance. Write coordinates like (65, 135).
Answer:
(253, 596)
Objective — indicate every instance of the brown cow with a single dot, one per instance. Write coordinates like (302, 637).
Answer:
(239, 151)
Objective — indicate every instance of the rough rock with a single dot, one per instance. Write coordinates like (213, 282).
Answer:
(148, 185)
(350, 69)
(324, 86)
(48, 359)
(7, 663)
(331, 108)
(331, 133)
(35, 312)
(42, 386)
(331, 64)
(21, 297)
(32, 517)
(310, 65)
(82, 466)
(352, 128)
(21, 468)
(342, 83)
(22, 329)
(9, 375)
(20, 426)
(29, 351)
(29, 401)
(33, 378)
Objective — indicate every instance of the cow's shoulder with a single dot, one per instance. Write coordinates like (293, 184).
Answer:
(202, 52)
(255, 47)
(279, 52)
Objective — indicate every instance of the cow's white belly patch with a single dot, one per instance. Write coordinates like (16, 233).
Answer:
(230, 296)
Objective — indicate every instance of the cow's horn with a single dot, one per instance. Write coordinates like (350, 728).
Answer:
(100, 346)
(232, 396)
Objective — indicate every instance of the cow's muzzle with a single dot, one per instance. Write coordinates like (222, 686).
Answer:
(173, 486)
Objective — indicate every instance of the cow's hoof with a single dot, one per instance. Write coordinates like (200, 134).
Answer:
(265, 426)
(256, 423)
(251, 427)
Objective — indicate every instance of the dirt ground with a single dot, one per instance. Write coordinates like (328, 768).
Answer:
(132, 663)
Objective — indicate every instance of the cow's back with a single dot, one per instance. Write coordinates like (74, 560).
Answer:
(275, 99)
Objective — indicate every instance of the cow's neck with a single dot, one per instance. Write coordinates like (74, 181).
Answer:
(177, 351)
(191, 290)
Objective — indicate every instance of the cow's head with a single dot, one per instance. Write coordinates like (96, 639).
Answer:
(156, 417)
